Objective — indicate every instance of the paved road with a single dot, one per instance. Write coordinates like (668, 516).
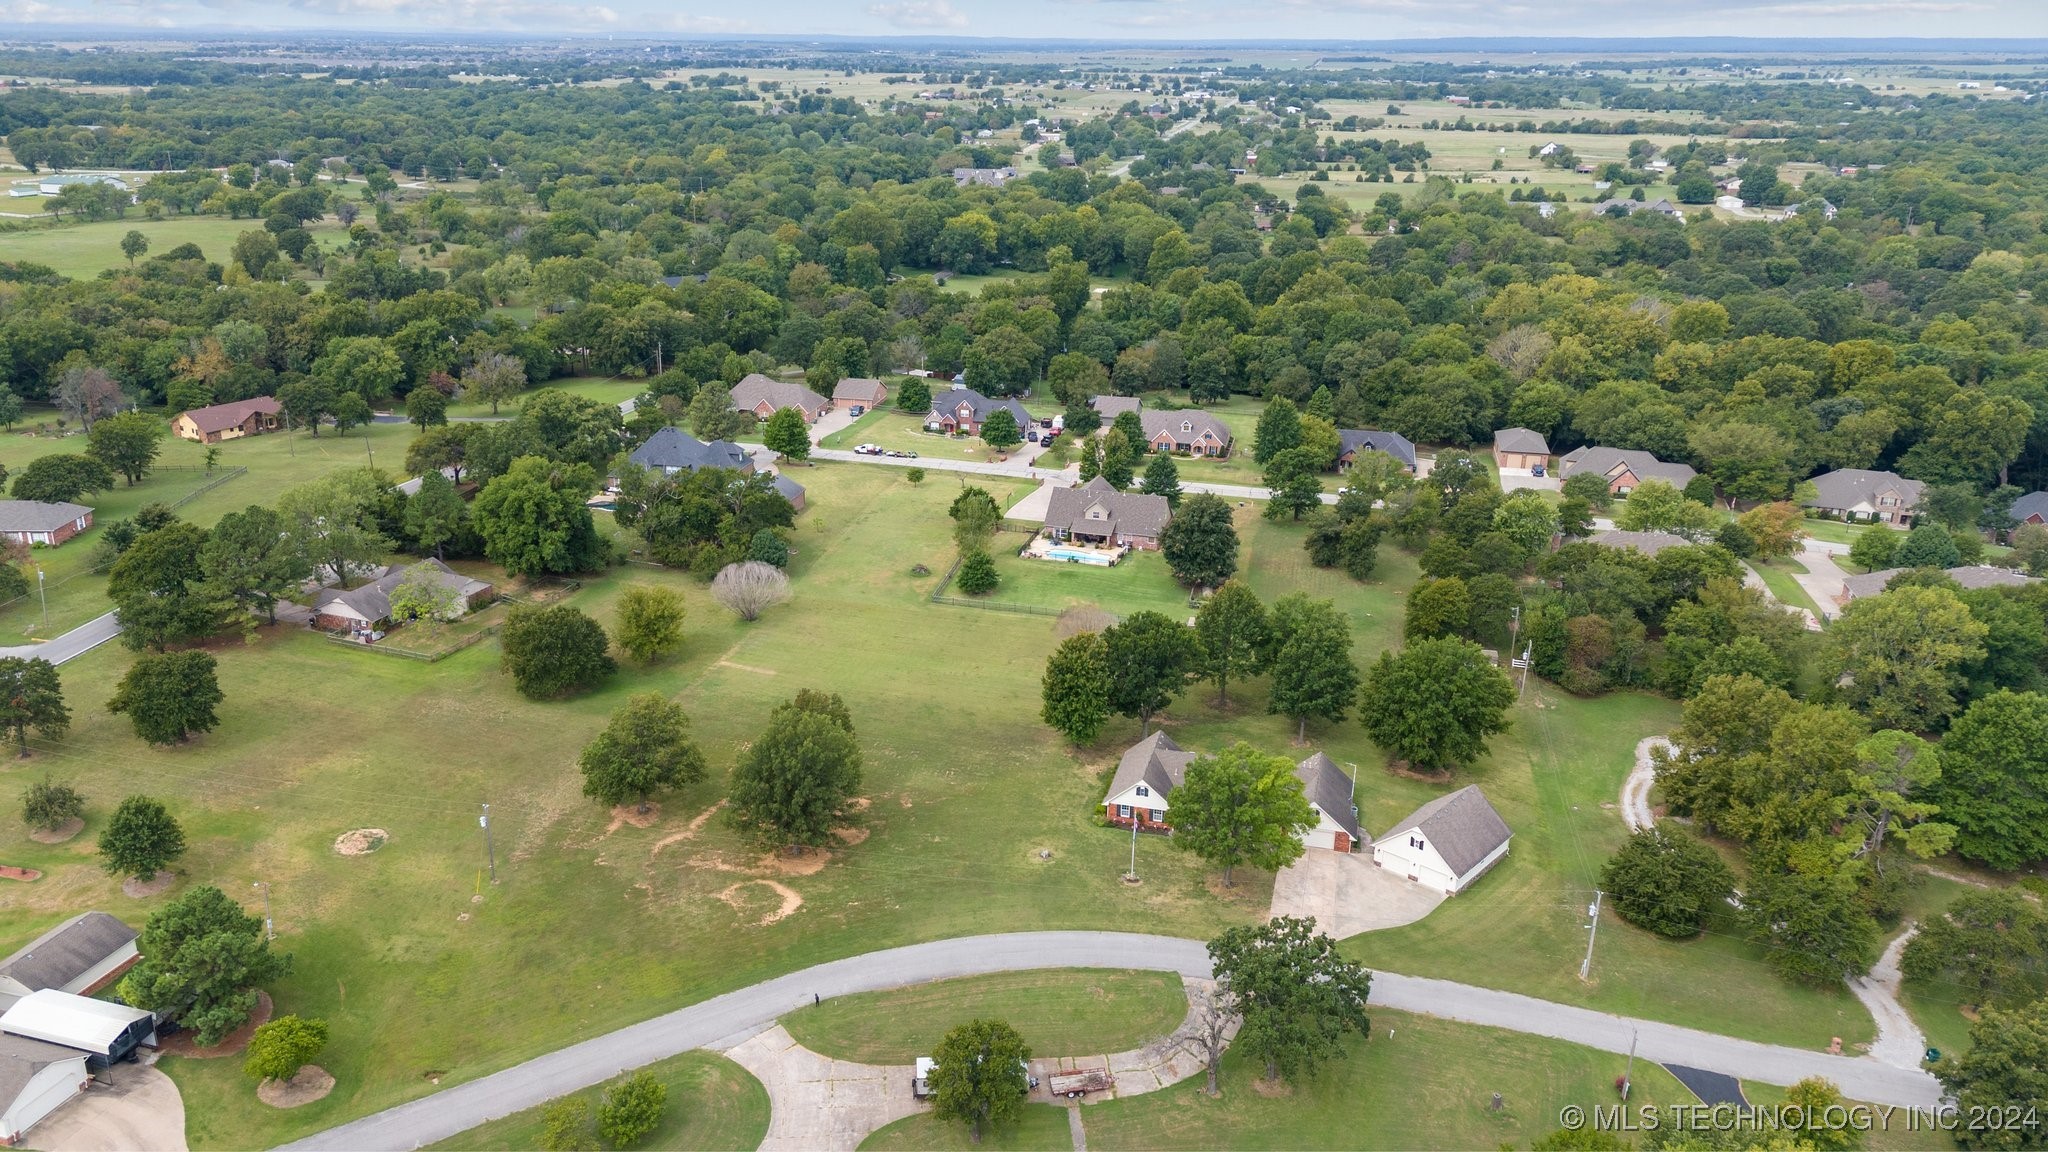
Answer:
(72, 644)
(1018, 470)
(731, 1017)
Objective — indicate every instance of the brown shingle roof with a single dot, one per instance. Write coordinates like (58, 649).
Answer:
(754, 388)
(221, 417)
(1131, 513)
(1520, 440)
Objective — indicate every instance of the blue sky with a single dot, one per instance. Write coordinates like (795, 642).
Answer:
(1117, 19)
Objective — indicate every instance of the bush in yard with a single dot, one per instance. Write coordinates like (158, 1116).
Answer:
(631, 1109)
(978, 574)
(1666, 881)
(914, 475)
(141, 840)
(281, 1047)
(749, 588)
(650, 621)
(46, 807)
(565, 1125)
(769, 547)
(202, 958)
(554, 651)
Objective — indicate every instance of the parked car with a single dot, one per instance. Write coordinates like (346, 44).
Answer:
(867, 449)
(901, 455)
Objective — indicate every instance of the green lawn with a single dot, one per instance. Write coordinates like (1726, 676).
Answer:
(713, 1105)
(84, 250)
(275, 462)
(1060, 1012)
(1139, 583)
(609, 389)
(905, 433)
(1778, 577)
(1835, 531)
(1420, 1082)
(1042, 1128)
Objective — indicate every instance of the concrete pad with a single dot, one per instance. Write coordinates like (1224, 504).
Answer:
(1823, 579)
(818, 1104)
(1034, 504)
(141, 1108)
(831, 422)
(1347, 895)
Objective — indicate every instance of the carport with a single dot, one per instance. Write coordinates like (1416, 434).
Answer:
(105, 1032)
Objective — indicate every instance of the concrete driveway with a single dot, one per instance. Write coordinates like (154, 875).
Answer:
(140, 1109)
(1034, 504)
(818, 1104)
(1347, 895)
(831, 422)
(1823, 578)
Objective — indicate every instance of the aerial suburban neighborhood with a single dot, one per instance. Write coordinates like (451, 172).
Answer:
(934, 575)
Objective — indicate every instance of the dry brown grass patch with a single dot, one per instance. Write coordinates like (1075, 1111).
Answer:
(360, 841)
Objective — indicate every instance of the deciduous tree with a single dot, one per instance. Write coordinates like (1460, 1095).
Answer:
(534, 521)
(786, 434)
(251, 559)
(1241, 806)
(631, 1108)
(1667, 881)
(1313, 676)
(650, 622)
(645, 748)
(1232, 628)
(750, 588)
(1898, 656)
(31, 696)
(1994, 779)
(61, 478)
(2004, 1072)
(1299, 996)
(978, 1076)
(127, 443)
(554, 650)
(1200, 542)
(169, 696)
(47, 806)
(282, 1046)
(141, 839)
(796, 783)
(1435, 704)
(1074, 691)
(1148, 658)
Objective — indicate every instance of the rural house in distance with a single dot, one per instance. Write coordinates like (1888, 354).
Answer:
(219, 422)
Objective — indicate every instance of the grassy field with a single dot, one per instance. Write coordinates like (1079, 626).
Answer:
(1777, 575)
(1042, 1128)
(905, 433)
(275, 462)
(84, 250)
(609, 389)
(1419, 1082)
(1060, 1012)
(1141, 582)
(713, 1104)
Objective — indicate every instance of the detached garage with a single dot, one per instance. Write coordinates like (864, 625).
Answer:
(104, 1032)
(36, 1078)
(1447, 843)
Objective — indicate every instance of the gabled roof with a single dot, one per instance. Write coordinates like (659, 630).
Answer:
(1462, 827)
(1648, 543)
(861, 389)
(1155, 761)
(1609, 462)
(1968, 575)
(2032, 504)
(675, 448)
(1113, 406)
(66, 952)
(221, 417)
(1185, 425)
(790, 489)
(1848, 487)
(1131, 513)
(22, 1058)
(1328, 788)
(1520, 440)
(754, 388)
(38, 515)
(373, 600)
(1394, 444)
(980, 408)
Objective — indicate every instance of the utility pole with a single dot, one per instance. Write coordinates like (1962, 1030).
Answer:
(269, 925)
(489, 851)
(43, 591)
(1133, 876)
(1629, 1073)
(657, 356)
(1592, 932)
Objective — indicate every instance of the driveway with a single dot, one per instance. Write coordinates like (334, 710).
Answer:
(817, 1104)
(723, 1020)
(1823, 578)
(1520, 479)
(833, 421)
(140, 1109)
(1035, 503)
(1347, 895)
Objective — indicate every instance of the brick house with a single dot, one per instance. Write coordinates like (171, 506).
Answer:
(2031, 509)
(1188, 430)
(1153, 767)
(1520, 448)
(1860, 495)
(1625, 468)
(42, 522)
(958, 410)
(859, 394)
(219, 422)
(1352, 441)
(764, 397)
(1097, 513)
(368, 608)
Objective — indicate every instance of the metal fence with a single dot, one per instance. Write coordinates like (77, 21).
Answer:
(939, 595)
(428, 656)
(226, 474)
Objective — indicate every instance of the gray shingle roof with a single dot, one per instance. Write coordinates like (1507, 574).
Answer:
(754, 388)
(1648, 543)
(1185, 425)
(1969, 576)
(674, 448)
(1606, 462)
(1521, 440)
(859, 390)
(979, 407)
(790, 489)
(1131, 513)
(1328, 788)
(2032, 504)
(66, 952)
(373, 600)
(1462, 827)
(1848, 487)
(1112, 406)
(22, 1058)
(38, 515)
(1155, 761)
(1394, 444)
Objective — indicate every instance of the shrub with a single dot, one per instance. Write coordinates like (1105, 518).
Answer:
(47, 807)
(1666, 881)
(280, 1048)
(631, 1109)
(749, 588)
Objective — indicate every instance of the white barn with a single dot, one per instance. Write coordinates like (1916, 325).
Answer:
(36, 1079)
(1447, 843)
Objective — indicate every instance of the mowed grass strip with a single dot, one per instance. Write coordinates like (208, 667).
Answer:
(1420, 1082)
(1059, 1012)
(713, 1105)
(1042, 1128)
(83, 250)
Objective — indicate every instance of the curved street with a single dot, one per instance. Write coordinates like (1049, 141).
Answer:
(724, 1020)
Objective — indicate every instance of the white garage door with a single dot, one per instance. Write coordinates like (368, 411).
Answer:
(1321, 838)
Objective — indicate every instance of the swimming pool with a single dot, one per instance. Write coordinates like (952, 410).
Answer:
(1079, 556)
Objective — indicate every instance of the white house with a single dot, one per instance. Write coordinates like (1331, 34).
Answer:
(1152, 768)
(1447, 843)
(36, 1078)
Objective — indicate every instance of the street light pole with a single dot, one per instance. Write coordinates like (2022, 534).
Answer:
(1592, 933)
(489, 851)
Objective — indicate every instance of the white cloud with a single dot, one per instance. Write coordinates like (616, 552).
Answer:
(923, 14)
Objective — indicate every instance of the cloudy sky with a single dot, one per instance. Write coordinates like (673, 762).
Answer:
(1179, 20)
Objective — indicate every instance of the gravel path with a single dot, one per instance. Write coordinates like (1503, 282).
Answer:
(1635, 791)
(733, 1015)
(1900, 1043)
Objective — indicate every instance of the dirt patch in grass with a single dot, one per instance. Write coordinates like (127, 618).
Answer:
(790, 900)
(1400, 768)
(360, 841)
(634, 815)
(696, 825)
(10, 872)
(143, 889)
(745, 668)
(809, 863)
(311, 1083)
(850, 836)
(60, 833)
(1271, 1088)
(231, 1044)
